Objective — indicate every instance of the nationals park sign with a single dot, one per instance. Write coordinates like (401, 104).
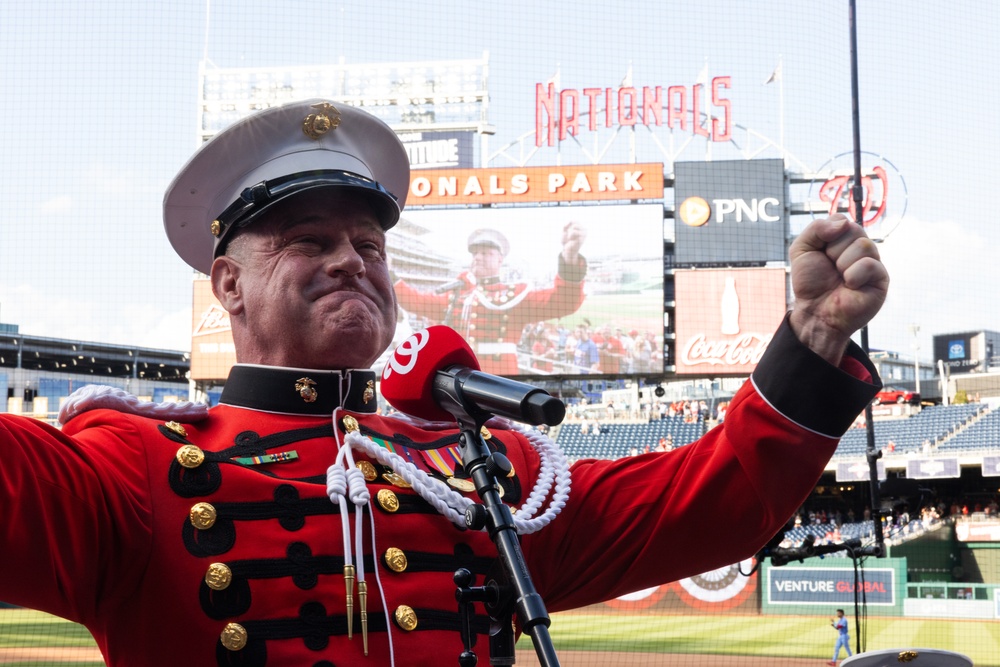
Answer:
(516, 185)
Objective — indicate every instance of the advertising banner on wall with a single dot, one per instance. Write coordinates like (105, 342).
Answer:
(858, 471)
(829, 586)
(725, 318)
(991, 466)
(960, 352)
(969, 530)
(538, 290)
(526, 185)
(212, 349)
(438, 150)
(730, 211)
(932, 468)
(730, 589)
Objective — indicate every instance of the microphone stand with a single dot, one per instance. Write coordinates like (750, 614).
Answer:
(858, 196)
(512, 585)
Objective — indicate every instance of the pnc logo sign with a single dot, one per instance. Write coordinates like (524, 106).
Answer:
(695, 211)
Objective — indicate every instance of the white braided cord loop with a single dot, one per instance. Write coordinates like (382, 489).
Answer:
(447, 502)
(451, 504)
(95, 397)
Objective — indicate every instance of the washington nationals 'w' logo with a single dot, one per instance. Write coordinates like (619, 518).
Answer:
(405, 357)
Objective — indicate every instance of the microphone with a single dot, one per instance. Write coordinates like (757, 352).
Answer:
(435, 369)
(449, 287)
(784, 555)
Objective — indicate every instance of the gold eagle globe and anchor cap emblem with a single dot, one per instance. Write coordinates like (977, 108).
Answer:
(325, 119)
(306, 389)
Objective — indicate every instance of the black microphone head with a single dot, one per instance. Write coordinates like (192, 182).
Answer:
(541, 408)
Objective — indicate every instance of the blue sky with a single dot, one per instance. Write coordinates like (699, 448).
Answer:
(98, 102)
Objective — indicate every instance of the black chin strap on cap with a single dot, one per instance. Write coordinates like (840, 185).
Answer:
(256, 199)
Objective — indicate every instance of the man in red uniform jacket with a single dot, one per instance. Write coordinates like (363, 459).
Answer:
(292, 525)
(490, 313)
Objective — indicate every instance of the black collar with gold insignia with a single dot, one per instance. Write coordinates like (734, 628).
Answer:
(299, 391)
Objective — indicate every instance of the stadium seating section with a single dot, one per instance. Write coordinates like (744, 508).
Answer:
(947, 429)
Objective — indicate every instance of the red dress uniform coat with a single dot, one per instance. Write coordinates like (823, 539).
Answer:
(214, 542)
(491, 314)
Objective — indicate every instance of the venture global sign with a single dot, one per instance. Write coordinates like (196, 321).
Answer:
(810, 586)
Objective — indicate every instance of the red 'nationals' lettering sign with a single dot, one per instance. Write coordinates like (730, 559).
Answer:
(561, 113)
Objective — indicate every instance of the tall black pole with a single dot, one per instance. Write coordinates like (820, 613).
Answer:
(858, 197)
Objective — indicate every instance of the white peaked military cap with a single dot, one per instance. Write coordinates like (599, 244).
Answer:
(275, 154)
(489, 237)
(908, 657)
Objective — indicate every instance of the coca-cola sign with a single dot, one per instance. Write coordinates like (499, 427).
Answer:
(725, 318)
(739, 350)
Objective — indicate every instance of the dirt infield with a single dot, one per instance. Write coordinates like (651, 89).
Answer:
(591, 659)
(67, 655)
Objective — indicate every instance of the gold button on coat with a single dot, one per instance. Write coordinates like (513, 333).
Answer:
(406, 618)
(350, 424)
(368, 470)
(190, 456)
(202, 516)
(387, 500)
(218, 577)
(395, 559)
(234, 636)
(177, 428)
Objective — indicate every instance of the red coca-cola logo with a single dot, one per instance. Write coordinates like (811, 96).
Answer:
(747, 348)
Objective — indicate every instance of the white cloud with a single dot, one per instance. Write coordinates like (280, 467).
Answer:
(56, 206)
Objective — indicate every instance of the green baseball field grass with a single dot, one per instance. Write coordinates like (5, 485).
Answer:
(29, 638)
(764, 636)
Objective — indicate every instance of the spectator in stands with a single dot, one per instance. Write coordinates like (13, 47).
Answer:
(611, 351)
(543, 349)
(642, 351)
(586, 356)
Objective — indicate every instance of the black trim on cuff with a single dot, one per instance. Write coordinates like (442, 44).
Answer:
(807, 389)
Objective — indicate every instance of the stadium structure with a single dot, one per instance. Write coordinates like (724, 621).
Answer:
(39, 373)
